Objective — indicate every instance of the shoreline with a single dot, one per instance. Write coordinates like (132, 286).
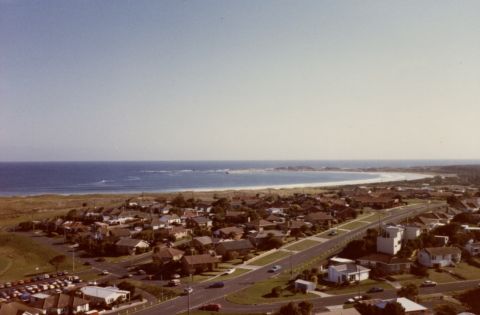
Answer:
(382, 177)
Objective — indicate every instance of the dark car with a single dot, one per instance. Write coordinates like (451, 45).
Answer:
(375, 290)
(211, 307)
(217, 285)
(428, 283)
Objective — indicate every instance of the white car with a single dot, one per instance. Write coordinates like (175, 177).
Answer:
(188, 290)
(229, 271)
(105, 272)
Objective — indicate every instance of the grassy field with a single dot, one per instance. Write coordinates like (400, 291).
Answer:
(466, 271)
(268, 259)
(155, 290)
(352, 225)
(197, 312)
(302, 245)
(440, 277)
(258, 292)
(27, 257)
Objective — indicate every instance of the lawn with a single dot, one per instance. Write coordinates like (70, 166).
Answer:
(268, 259)
(157, 291)
(466, 271)
(28, 257)
(302, 245)
(352, 225)
(258, 292)
(439, 277)
(362, 287)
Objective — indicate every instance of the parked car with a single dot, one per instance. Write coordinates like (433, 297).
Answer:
(211, 307)
(275, 268)
(217, 285)
(375, 290)
(332, 233)
(105, 272)
(188, 290)
(229, 271)
(174, 282)
(428, 283)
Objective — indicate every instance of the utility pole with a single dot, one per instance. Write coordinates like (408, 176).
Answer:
(188, 292)
(291, 266)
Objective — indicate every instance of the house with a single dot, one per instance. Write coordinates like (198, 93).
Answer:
(130, 246)
(118, 233)
(305, 286)
(320, 218)
(385, 263)
(17, 308)
(439, 256)
(203, 207)
(275, 210)
(261, 225)
(230, 232)
(440, 240)
(169, 219)
(242, 247)
(199, 222)
(258, 238)
(234, 216)
(347, 273)
(410, 307)
(177, 232)
(61, 304)
(340, 311)
(202, 241)
(104, 295)
(275, 218)
(473, 248)
(413, 230)
(389, 241)
(164, 255)
(199, 263)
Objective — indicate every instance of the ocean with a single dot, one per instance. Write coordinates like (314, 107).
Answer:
(32, 178)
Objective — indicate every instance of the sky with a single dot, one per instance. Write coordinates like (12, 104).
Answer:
(221, 80)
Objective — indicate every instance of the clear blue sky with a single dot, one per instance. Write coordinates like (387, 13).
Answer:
(158, 80)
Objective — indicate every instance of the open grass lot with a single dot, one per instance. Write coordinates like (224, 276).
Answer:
(466, 271)
(268, 259)
(362, 287)
(256, 294)
(155, 290)
(302, 245)
(352, 225)
(440, 277)
(26, 256)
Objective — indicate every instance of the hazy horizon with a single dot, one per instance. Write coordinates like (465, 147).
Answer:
(239, 80)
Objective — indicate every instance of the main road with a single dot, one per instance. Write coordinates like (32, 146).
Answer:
(202, 295)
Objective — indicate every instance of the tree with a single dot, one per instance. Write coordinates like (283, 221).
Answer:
(393, 308)
(57, 261)
(305, 307)
(471, 299)
(276, 291)
(445, 309)
(125, 285)
(289, 309)
(409, 291)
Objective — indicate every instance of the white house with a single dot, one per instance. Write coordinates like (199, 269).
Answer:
(105, 296)
(409, 306)
(275, 210)
(473, 248)
(439, 256)
(169, 219)
(347, 273)
(412, 231)
(389, 241)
